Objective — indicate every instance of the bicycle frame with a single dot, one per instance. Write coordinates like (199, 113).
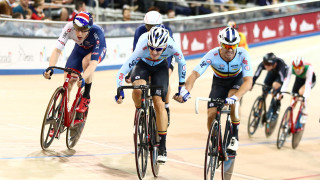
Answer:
(292, 106)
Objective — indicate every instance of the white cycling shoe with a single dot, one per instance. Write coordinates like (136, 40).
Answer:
(233, 146)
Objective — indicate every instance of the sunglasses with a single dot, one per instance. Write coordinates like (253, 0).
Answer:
(153, 48)
(229, 46)
(298, 67)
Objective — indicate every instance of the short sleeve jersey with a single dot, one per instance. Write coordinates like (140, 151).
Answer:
(222, 69)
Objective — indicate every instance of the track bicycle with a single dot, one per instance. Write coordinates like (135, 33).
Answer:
(216, 153)
(59, 118)
(259, 115)
(145, 136)
(288, 126)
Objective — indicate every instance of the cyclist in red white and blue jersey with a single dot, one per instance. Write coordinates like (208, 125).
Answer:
(231, 80)
(88, 52)
(149, 60)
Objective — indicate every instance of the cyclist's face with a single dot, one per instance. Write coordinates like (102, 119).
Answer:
(228, 54)
(269, 67)
(298, 70)
(81, 34)
(154, 54)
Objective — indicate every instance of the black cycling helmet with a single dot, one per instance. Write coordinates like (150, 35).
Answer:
(269, 59)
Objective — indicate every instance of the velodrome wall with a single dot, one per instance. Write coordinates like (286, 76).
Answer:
(31, 55)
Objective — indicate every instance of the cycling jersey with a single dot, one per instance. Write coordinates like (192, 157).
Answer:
(309, 76)
(142, 53)
(280, 70)
(94, 42)
(222, 69)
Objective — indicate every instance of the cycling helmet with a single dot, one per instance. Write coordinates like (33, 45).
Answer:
(232, 24)
(298, 61)
(153, 18)
(269, 59)
(83, 21)
(158, 36)
(229, 36)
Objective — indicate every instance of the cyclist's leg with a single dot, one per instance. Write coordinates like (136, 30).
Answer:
(168, 94)
(139, 76)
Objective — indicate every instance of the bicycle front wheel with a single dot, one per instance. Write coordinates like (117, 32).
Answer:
(297, 135)
(53, 118)
(284, 128)
(255, 115)
(141, 143)
(154, 148)
(212, 152)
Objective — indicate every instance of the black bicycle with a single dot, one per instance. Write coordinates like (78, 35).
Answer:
(145, 132)
(216, 153)
(259, 115)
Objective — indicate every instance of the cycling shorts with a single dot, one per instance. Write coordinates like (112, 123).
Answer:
(221, 86)
(77, 55)
(299, 82)
(272, 77)
(159, 76)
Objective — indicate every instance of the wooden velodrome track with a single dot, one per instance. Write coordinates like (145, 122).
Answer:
(105, 150)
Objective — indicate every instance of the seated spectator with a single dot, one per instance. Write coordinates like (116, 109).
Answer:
(22, 8)
(80, 6)
(171, 14)
(6, 7)
(102, 3)
(17, 15)
(198, 8)
(181, 7)
(38, 13)
(126, 14)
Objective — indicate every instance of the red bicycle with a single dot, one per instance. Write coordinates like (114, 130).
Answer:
(288, 126)
(59, 118)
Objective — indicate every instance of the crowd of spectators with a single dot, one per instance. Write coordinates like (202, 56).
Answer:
(59, 9)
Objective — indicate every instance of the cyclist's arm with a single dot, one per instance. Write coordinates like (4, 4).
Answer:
(246, 86)
(247, 74)
(182, 66)
(308, 82)
(257, 73)
(54, 57)
(286, 80)
(191, 80)
(282, 71)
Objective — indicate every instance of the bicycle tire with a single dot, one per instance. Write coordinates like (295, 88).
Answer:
(284, 128)
(212, 151)
(54, 116)
(154, 148)
(141, 143)
(255, 116)
(297, 135)
(74, 131)
(270, 124)
(227, 166)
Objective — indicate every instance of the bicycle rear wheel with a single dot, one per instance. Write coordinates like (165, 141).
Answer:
(212, 151)
(141, 143)
(297, 135)
(284, 128)
(154, 146)
(255, 116)
(53, 118)
(74, 131)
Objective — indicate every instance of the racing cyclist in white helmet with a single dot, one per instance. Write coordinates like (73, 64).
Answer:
(149, 60)
(231, 80)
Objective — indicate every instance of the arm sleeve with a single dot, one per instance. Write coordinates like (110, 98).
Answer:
(100, 49)
(257, 73)
(246, 64)
(283, 72)
(64, 36)
(203, 64)
(308, 83)
(182, 66)
(286, 80)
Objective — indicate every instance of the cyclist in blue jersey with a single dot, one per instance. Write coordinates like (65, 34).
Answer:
(231, 80)
(88, 52)
(149, 60)
(151, 19)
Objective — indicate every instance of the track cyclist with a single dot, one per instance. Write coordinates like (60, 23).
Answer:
(151, 19)
(277, 70)
(231, 80)
(88, 52)
(149, 59)
(305, 80)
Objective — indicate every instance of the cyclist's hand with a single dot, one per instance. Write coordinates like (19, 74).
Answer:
(120, 98)
(279, 96)
(183, 95)
(231, 100)
(48, 73)
(128, 79)
(81, 83)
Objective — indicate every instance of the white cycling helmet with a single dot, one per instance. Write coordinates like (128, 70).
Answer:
(298, 61)
(158, 36)
(229, 36)
(153, 18)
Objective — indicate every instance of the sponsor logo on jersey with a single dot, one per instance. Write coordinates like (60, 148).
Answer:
(221, 66)
(121, 76)
(235, 65)
(98, 42)
(137, 77)
(244, 61)
(247, 68)
(69, 30)
(176, 54)
(144, 48)
(239, 53)
(184, 67)
(96, 36)
(61, 42)
(95, 53)
(170, 46)
(203, 63)
(216, 54)
(133, 63)
(138, 58)
(208, 61)
(211, 104)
